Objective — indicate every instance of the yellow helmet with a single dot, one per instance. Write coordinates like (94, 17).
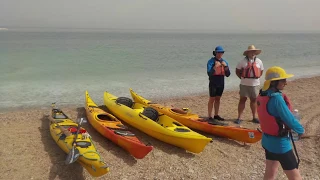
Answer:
(274, 73)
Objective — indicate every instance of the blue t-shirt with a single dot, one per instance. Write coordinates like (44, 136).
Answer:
(278, 108)
(217, 80)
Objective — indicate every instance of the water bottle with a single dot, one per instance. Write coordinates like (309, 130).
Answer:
(295, 136)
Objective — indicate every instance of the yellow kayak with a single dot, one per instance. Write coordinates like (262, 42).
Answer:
(154, 124)
(193, 121)
(63, 130)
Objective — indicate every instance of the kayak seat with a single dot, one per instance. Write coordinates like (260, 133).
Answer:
(125, 101)
(151, 113)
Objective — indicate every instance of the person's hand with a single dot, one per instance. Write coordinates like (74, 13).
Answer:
(301, 136)
(217, 64)
(223, 64)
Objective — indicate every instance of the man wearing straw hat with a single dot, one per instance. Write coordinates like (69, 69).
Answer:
(249, 70)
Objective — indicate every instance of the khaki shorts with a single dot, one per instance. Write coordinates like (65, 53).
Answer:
(249, 91)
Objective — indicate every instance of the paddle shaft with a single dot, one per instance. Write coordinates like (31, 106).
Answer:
(74, 153)
(63, 130)
(76, 136)
(310, 136)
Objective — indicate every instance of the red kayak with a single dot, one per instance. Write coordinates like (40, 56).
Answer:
(111, 128)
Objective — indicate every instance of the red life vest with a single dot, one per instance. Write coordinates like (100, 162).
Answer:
(251, 68)
(219, 71)
(269, 124)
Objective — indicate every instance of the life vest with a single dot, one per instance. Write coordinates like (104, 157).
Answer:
(251, 68)
(219, 71)
(269, 124)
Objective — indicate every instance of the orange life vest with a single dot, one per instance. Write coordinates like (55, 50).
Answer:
(269, 124)
(251, 68)
(219, 71)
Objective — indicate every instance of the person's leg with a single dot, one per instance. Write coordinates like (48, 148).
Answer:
(210, 106)
(254, 92)
(217, 103)
(212, 94)
(271, 170)
(293, 174)
(242, 102)
(241, 106)
(272, 165)
(253, 106)
(290, 166)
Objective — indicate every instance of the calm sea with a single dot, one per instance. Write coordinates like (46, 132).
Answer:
(38, 68)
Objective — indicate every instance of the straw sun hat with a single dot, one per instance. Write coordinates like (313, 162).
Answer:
(252, 48)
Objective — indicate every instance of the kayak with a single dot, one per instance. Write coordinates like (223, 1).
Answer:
(157, 125)
(111, 128)
(193, 121)
(62, 131)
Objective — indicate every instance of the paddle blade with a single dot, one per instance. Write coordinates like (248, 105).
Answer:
(73, 155)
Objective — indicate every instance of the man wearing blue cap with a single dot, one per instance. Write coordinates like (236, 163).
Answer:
(217, 69)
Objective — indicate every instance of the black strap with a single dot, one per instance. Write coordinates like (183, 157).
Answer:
(295, 149)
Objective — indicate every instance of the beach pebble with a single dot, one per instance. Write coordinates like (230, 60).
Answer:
(191, 171)
(214, 177)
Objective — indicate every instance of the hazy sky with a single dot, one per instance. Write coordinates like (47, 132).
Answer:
(216, 15)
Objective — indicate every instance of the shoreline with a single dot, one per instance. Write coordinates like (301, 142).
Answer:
(227, 91)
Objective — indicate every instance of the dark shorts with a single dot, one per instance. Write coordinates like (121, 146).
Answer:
(214, 90)
(287, 160)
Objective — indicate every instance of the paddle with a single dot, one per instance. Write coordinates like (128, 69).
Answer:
(310, 136)
(74, 152)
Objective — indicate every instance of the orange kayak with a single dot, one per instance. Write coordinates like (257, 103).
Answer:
(111, 128)
(193, 121)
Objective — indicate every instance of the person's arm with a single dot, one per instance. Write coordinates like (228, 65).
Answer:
(226, 68)
(210, 69)
(280, 106)
(238, 73)
(238, 70)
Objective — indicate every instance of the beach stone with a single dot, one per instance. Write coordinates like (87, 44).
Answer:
(191, 171)
(214, 177)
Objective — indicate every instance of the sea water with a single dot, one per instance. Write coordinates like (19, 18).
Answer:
(41, 67)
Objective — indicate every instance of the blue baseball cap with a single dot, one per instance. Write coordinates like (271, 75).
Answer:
(219, 49)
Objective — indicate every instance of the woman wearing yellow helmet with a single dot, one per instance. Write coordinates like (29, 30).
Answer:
(276, 121)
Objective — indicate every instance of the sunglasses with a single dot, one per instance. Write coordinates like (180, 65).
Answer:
(219, 52)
